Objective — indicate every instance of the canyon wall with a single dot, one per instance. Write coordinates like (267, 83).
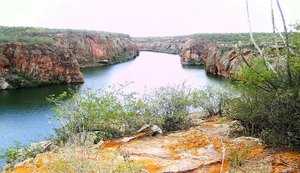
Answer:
(26, 66)
(218, 58)
(29, 65)
(94, 49)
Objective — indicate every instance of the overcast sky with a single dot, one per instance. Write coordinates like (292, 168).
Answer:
(145, 17)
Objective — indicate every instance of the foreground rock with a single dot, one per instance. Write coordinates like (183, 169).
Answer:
(59, 60)
(208, 147)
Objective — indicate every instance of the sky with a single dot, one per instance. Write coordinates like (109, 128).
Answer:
(147, 17)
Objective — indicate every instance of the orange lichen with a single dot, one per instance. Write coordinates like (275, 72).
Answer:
(138, 135)
(111, 144)
(216, 167)
(256, 153)
(22, 169)
(190, 141)
(213, 119)
(287, 161)
(149, 165)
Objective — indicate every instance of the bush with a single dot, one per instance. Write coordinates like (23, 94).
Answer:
(102, 111)
(18, 153)
(112, 113)
(269, 106)
(214, 101)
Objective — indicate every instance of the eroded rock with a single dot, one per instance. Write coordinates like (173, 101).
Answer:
(206, 148)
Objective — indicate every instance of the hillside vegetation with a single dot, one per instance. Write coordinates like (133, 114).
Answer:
(41, 36)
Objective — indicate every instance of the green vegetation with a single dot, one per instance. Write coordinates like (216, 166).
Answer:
(219, 37)
(269, 106)
(119, 58)
(112, 113)
(26, 35)
(18, 153)
(41, 36)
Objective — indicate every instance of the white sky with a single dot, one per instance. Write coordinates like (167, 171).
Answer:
(145, 17)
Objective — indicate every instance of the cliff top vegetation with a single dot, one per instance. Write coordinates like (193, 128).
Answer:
(40, 36)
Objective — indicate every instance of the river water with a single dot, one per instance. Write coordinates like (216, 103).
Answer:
(24, 113)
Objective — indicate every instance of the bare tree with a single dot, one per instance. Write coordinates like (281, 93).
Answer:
(288, 49)
(267, 64)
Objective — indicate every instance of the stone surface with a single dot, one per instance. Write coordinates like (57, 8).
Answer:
(200, 149)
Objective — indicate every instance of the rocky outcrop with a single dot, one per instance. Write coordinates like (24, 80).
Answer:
(204, 148)
(162, 45)
(218, 58)
(94, 49)
(225, 61)
(195, 52)
(28, 65)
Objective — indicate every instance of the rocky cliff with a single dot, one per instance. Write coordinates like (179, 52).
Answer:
(26, 66)
(219, 58)
(163, 45)
(29, 64)
(93, 49)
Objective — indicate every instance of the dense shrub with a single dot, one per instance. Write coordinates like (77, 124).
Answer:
(104, 111)
(112, 113)
(269, 106)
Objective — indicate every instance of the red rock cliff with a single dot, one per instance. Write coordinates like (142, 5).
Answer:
(217, 57)
(93, 49)
(28, 65)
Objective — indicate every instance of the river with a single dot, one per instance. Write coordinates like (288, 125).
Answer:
(24, 113)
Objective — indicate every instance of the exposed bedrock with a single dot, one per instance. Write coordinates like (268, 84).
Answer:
(93, 49)
(218, 58)
(30, 65)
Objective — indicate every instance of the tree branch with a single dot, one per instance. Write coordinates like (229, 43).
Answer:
(288, 68)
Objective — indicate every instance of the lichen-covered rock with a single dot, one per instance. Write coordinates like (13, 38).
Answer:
(205, 148)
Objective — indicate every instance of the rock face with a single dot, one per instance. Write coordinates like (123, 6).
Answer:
(27, 65)
(165, 45)
(218, 58)
(195, 52)
(94, 49)
(224, 61)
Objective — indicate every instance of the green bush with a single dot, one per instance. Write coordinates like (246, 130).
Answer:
(88, 110)
(214, 100)
(112, 113)
(171, 105)
(18, 153)
(269, 106)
